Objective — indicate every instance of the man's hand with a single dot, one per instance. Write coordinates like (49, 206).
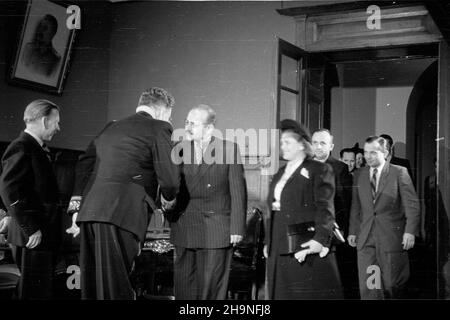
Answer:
(4, 223)
(408, 241)
(352, 240)
(73, 209)
(74, 229)
(235, 239)
(34, 240)
(167, 205)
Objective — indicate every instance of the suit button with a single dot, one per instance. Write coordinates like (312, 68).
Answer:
(208, 185)
(374, 213)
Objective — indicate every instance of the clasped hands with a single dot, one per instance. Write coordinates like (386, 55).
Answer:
(167, 205)
(74, 207)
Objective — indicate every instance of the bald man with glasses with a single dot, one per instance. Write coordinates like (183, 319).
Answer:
(211, 210)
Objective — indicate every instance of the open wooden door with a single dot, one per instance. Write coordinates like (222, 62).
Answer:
(303, 87)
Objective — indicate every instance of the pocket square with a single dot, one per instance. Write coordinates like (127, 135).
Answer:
(305, 173)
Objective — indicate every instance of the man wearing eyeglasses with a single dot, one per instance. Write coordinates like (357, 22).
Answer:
(211, 210)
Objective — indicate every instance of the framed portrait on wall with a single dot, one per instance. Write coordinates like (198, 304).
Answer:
(43, 51)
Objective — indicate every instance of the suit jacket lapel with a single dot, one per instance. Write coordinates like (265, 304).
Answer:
(297, 171)
(383, 180)
(202, 168)
(365, 185)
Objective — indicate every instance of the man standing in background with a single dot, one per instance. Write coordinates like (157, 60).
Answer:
(29, 191)
(322, 142)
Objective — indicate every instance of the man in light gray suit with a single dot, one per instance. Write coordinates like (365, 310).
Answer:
(384, 221)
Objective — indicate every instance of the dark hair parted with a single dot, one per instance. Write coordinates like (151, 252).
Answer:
(381, 141)
(389, 141)
(347, 150)
(156, 97)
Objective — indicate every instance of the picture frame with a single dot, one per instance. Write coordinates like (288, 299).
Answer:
(44, 49)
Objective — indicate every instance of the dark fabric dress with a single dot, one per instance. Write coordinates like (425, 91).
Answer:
(307, 196)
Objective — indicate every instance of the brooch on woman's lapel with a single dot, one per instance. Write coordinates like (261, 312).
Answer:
(304, 172)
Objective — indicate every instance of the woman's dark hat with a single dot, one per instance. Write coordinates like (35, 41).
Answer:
(302, 131)
(357, 149)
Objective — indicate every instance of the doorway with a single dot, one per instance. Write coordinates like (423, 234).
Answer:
(359, 93)
(397, 97)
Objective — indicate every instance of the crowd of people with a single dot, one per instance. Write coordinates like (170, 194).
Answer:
(334, 229)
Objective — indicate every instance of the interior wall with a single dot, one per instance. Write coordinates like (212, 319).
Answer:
(353, 114)
(391, 105)
(357, 113)
(84, 102)
(217, 53)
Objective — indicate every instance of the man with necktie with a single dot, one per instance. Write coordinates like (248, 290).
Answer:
(29, 191)
(211, 210)
(384, 221)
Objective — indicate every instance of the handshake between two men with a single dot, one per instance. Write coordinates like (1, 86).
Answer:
(75, 204)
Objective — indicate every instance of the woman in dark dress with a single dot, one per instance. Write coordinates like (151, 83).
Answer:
(302, 191)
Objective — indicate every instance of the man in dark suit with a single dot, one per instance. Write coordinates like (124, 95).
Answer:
(348, 156)
(322, 142)
(384, 221)
(117, 180)
(393, 159)
(29, 191)
(213, 210)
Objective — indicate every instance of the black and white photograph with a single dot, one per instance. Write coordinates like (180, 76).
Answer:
(44, 48)
(247, 152)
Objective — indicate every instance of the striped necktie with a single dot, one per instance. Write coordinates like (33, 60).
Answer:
(373, 183)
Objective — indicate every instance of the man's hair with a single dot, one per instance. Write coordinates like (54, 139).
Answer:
(211, 114)
(156, 97)
(381, 141)
(38, 109)
(346, 150)
(324, 130)
(389, 141)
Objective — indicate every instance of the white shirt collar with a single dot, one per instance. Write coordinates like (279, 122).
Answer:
(39, 140)
(203, 144)
(379, 168)
(146, 109)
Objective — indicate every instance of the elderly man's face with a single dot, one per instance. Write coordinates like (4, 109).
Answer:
(322, 145)
(51, 125)
(195, 125)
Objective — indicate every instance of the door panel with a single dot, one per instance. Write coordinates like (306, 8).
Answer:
(443, 165)
(302, 89)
